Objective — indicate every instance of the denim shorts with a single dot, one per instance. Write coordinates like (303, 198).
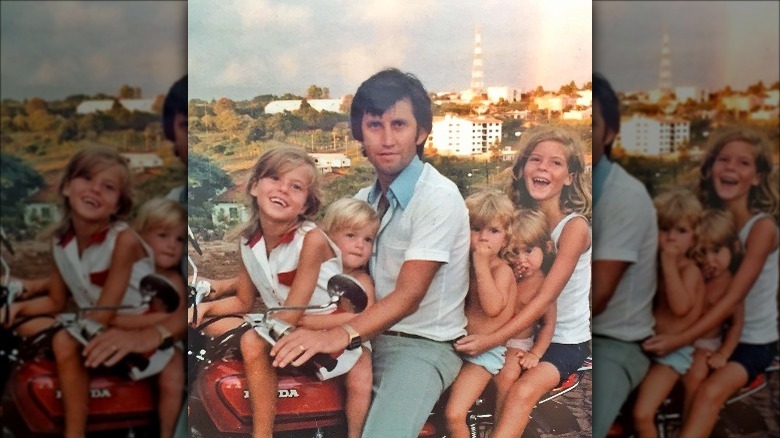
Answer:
(567, 358)
(754, 357)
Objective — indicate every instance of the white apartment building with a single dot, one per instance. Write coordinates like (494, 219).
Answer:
(643, 135)
(464, 136)
(741, 102)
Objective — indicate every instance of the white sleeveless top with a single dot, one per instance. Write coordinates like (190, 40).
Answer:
(85, 276)
(273, 275)
(573, 318)
(761, 301)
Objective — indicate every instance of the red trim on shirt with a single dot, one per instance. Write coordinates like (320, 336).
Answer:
(98, 278)
(286, 278)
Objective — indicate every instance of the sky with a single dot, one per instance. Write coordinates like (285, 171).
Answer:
(54, 49)
(241, 49)
(713, 43)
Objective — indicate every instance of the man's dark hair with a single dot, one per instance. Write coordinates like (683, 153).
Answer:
(381, 91)
(610, 106)
(175, 103)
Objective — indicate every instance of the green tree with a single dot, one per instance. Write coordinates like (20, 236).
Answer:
(205, 179)
(18, 180)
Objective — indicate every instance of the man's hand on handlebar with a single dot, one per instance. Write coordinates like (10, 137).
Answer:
(300, 345)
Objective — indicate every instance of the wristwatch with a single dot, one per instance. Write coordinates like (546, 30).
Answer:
(165, 336)
(354, 337)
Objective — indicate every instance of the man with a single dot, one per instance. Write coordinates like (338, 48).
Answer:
(625, 238)
(419, 264)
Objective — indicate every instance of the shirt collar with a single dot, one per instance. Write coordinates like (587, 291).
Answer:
(285, 238)
(600, 173)
(95, 239)
(402, 187)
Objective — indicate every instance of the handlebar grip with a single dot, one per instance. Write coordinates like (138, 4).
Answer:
(325, 361)
(136, 360)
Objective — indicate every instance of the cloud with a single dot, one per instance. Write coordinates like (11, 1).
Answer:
(263, 13)
(249, 71)
(53, 72)
(77, 15)
(384, 13)
(100, 65)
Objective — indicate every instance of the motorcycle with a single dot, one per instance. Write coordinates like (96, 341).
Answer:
(31, 403)
(738, 416)
(219, 402)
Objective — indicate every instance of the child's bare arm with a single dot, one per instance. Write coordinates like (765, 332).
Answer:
(682, 284)
(730, 341)
(127, 251)
(236, 304)
(52, 302)
(314, 252)
(492, 283)
(544, 338)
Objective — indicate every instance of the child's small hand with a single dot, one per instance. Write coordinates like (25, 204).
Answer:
(528, 360)
(717, 360)
(671, 252)
(482, 253)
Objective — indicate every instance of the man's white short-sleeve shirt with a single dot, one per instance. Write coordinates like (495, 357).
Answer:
(427, 220)
(625, 229)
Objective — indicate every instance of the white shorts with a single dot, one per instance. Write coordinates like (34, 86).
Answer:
(712, 344)
(524, 344)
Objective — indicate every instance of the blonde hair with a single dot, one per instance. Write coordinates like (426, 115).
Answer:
(159, 213)
(763, 197)
(675, 206)
(488, 205)
(277, 162)
(574, 197)
(529, 228)
(85, 163)
(348, 214)
(717, 228)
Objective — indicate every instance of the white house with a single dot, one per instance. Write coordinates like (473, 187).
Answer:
(139, 162)
(279, 106)
(585, 98)
(464, 136)
(578, 115)
(93, 106)
(224, 213)
(552, 102)
(140, 105)
(643, 135)
(696, 94)
(38, 214)
(510, 95)
(331, 160)
(741, 102)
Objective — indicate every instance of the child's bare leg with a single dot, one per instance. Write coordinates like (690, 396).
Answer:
(655, 387)
(467, 387)
(505, 378)
(359, 380)
(522, 397)
(693, 378)
(262, 381)
(74, 383)
(711, 397)
(171, 386)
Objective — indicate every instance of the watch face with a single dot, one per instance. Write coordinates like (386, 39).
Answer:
(354, 343)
